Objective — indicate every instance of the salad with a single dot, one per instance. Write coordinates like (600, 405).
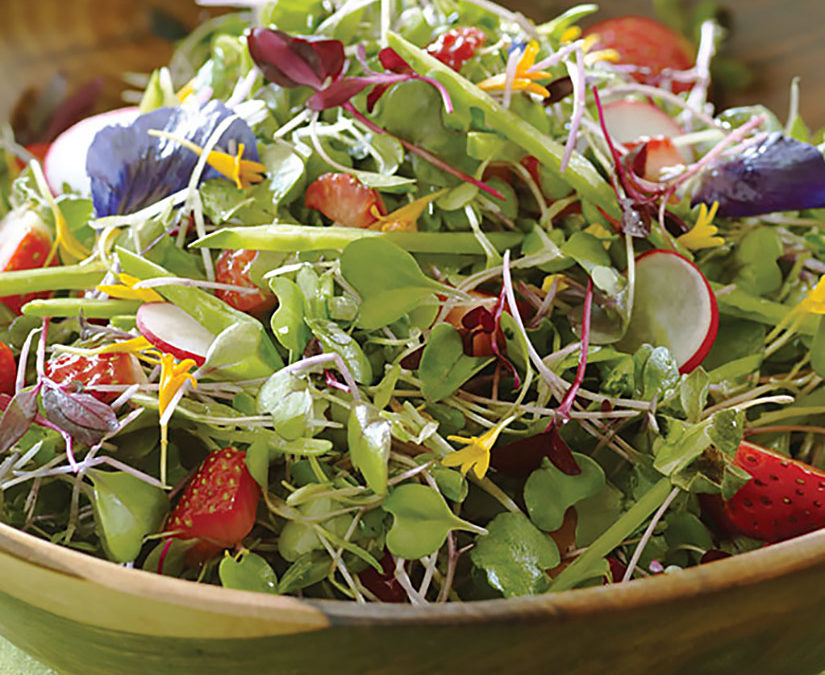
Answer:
(410, 301)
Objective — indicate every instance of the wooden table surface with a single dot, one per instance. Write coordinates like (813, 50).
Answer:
(777, 39)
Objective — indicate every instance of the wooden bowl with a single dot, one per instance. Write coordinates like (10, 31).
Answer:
(761, 612)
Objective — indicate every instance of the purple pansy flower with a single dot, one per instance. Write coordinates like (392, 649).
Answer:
(778, 174)
(129, 168)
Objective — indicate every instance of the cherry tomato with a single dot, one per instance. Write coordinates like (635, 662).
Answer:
(232, 267)
(343, 198)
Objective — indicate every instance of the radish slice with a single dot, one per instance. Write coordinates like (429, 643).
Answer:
(673, 307)
(172, 330)
(630, 121)
(65, 161)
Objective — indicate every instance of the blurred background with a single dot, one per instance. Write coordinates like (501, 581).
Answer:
(774, 40)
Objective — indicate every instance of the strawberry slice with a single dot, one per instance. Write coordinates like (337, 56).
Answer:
(343, 198)
(25, 243)
(232, 267)
(783, 499)
(217, 506)
(646, 43)
(92, 371)
(457, 46)
(8, 370)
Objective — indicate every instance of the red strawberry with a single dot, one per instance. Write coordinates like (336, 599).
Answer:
(343, 198)
(217, 506)
(8, 370)
(25, 244)
(646, 43)
(92, 371)
(232, 267)
(457, 46)
(784, 498)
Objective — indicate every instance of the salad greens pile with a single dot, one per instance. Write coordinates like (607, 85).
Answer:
(406, 280)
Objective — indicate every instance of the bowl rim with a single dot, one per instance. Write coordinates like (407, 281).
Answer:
(768, 562)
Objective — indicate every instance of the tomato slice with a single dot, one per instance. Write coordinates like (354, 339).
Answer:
(232, 267)
(346, 200)
(92, 371)
(25, 244)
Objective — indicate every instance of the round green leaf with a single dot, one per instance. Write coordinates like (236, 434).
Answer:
(250, 573)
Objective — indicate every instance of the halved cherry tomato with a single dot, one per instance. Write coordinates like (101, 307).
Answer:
(232, 267)
(8, 370)
(25, 244)
(92, 371)
(457, 46)
(345, 199)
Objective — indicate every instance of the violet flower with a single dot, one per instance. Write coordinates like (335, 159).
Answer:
(130, 169)
(778, 174)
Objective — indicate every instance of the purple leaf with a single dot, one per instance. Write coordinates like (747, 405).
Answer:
(778, 174)
(293, 61)
(82, 416)
(524, 456)
(18, 416)
(392, 61)
(338, 93)
(130, 169)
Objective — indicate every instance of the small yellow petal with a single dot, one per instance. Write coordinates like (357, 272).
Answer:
(528, 58)
(703, 233)
(405, 219)
(547, 284)
(814, 302)
(126, 290)
(571, 34)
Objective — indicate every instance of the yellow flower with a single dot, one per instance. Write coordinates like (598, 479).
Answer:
(476, 455)
(570, 34)
(126, 290)
(139, 346)
(243, 172)
(172, 377)
(404, 219)
(525, 78)
(703, 234)
(186, 90)
(814, 302)
(550, 279)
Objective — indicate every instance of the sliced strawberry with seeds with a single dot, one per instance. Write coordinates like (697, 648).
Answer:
(8, 370)
(25, 243)
(232, 267)
(92, 371)
(345, 199)
(217, 506)
(783, 499)
(457, 46)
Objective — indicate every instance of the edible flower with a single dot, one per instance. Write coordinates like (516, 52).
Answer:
(64, 239)
(405, 218)
(126, 290)
(814, 302)
(139, 346)
(131, 168)
(173, 376)
(476, 455)
(525, 78)
(703, 233)
(242, 172)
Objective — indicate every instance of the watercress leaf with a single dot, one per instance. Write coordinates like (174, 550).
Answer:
(299, 537)
(693, 394)
(288, 320)
(306, 571)
(596, 513)
(817, 351)
(334, 340)
(81, 415)
(682, 444)
(421, 521)
(257, 461)
(232, 345)
(451, 483)
(587, 251)
(444, 366)
(17, 417)
(549, 492)
(387, 279)
(733, 478)
(287, 398)
(515, 555)
(286, 171)
(126, 510)
(726, 430)
(250, 573)
(385, 388)
(369, 439)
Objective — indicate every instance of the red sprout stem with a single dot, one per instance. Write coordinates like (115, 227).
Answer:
(163, 553)
(567, 402)
(424, 154)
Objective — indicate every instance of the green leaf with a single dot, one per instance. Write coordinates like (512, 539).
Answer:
(387, 279)
(587, 251)
(421, 521)
(818, 348)
(515, 556)
(126, 509)
(369, 439)
(656, 372)
(596, 514)
(298, 538)
(287, 398)
(682, 444)
(257, 461)
(250, 573)
(286, 171)
(288, 320)
(549, 492)
(306, 571)
(385, 388)
(756, 261)
(444, 366)
(693, 394)
(450, 482)
(334, 339)
(727, 429)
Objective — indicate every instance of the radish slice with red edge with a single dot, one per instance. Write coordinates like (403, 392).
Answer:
(172, 330)
(629, 122)
(673, 307)
(65, 161)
